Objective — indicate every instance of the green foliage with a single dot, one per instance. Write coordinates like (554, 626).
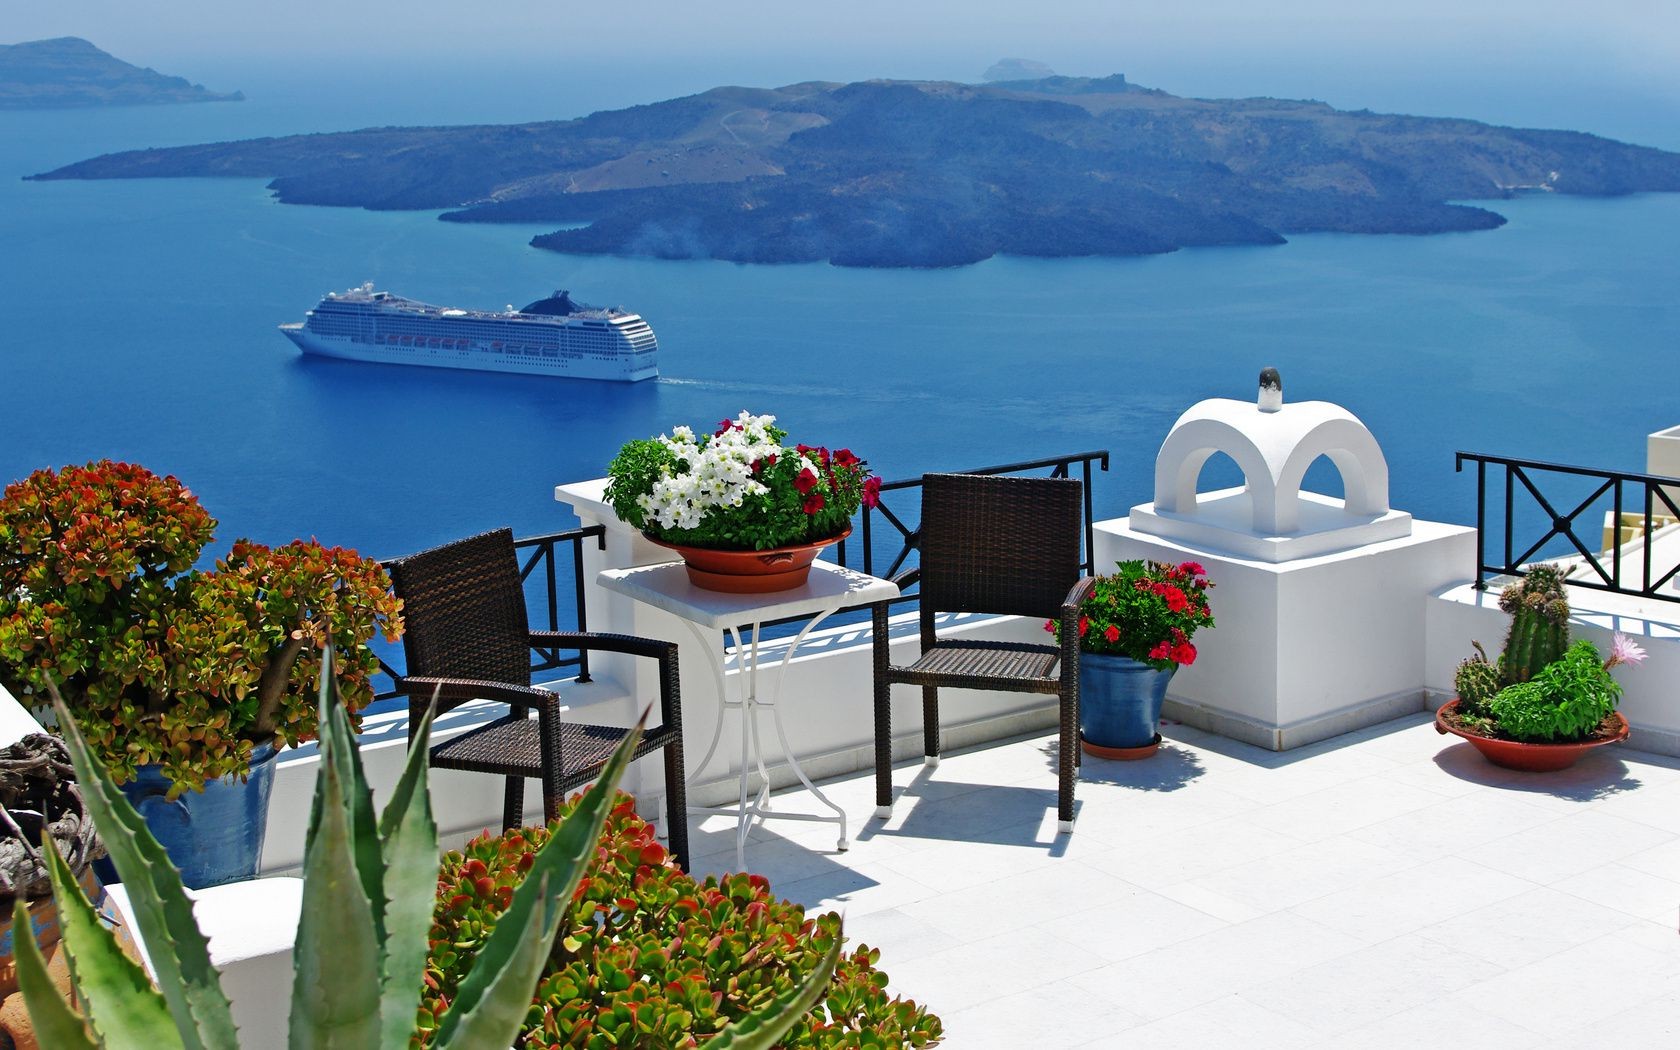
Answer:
(650, 958)
(1539, 611)
(362, 936)
(159, 662)
(1477, 680)
(1147, 611)
(741, 488)
(1566, 700)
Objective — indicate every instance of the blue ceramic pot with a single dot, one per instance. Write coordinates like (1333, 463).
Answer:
(1120, 700)
(215, 836)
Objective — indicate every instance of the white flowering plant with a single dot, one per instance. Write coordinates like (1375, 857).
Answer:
(738, 488)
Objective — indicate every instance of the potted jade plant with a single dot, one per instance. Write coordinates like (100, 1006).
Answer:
(747, 513)
(1543, 702)
(184, 680)
(1135, 628)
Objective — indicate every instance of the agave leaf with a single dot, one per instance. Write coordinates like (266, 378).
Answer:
(408, 835)
(161, 910)
(335, 989)
(56, 1025)
(495, 997)
(761, 1029)
(339, 747)
(124, 1010)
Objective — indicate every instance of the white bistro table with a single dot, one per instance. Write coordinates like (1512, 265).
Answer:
(830, 588)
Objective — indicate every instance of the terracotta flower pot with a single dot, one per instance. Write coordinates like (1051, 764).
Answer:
(750, 572)
(1529, 758)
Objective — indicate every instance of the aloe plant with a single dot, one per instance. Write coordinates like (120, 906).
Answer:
(360, 953)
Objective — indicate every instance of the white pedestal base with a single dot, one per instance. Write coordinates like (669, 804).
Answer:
(1309, 648)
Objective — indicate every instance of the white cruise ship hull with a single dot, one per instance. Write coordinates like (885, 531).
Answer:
(621, 368)
(551, 337)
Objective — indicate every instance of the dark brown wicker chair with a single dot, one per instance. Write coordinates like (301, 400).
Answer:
(997, 545)
(466, 637)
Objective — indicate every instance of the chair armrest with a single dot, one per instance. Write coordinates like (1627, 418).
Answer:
(456, 690)
(1070, 604)
(670, 703)
(629, 644)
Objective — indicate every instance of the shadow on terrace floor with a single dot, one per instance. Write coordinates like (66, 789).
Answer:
(1598, 775)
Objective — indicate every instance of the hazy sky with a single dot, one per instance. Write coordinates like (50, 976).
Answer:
(1438, 56)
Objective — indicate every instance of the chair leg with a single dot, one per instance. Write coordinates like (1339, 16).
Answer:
(883, 747)
(676, 803)
(513, 803)
(1067, 763)
(930, 725)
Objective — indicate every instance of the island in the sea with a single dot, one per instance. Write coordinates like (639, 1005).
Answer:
(902, 173)
(68, 71)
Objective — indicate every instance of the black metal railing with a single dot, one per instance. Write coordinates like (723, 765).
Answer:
(883, 536)
(541, 571)
(1620, 511)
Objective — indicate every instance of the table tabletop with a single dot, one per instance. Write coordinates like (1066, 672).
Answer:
(666, 586)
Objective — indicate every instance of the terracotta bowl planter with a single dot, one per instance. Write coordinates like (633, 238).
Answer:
(750, 572)
(1529, 758)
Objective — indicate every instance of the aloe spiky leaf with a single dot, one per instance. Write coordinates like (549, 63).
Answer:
(335, 989)
(496, 994)
(122, 1007)
(56, 1025)
(158, 903)
(408, 837)
(761, 1029)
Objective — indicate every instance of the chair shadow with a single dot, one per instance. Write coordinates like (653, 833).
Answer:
(1597, 776)
(958, 811)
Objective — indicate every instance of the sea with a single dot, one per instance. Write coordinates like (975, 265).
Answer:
(139, 323)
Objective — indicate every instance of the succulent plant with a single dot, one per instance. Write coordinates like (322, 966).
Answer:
(360, 954)
(1477, 680)
(1539, 611)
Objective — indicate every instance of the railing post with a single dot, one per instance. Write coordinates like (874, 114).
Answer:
(582, 612)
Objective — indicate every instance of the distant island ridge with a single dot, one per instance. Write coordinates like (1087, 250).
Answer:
(69, 71)
(913, 173)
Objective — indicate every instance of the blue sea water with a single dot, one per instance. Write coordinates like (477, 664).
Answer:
(140, 324)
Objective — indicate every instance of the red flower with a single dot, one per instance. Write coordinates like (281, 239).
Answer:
(806, 481)
(844, 458)
(872, 492)
(1050, 625)
(813, 502)
(1159, 652)
(1112, 634)
(1176, 601)
(1084, 625)
(1184, 653)
(725, 427)
(1194, 568)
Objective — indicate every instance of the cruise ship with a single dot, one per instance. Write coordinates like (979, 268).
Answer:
(552, 337)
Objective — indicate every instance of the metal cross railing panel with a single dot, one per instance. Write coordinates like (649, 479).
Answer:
(1602, 522)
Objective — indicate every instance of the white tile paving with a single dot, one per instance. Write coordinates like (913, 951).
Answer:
(1384, 889)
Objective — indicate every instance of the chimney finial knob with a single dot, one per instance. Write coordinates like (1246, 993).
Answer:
(1271, 390)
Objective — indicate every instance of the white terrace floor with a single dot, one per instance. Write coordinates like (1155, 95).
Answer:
(1385, 889)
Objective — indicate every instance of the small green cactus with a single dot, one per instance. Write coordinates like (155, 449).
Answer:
(1478, 681)
(1539, 612)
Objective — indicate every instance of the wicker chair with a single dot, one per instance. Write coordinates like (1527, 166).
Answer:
(466, 637)
(999, 545)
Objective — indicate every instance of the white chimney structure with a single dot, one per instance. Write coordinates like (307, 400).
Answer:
(1318, 599)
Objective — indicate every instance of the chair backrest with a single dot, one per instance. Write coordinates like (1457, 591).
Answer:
(992, 544)
(464, 610)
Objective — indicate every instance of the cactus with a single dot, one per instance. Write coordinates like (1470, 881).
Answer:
(360, 955)
(1539, 613)
(1477, 680)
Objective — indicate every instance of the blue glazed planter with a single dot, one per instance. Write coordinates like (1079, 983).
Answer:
(213, 837)
(1119, 700)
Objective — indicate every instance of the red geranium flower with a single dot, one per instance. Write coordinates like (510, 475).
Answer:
(1194, 568)
(872, 492)
(1159, 652)
(1084, 625)
(1184, 653)
(1112, 634)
